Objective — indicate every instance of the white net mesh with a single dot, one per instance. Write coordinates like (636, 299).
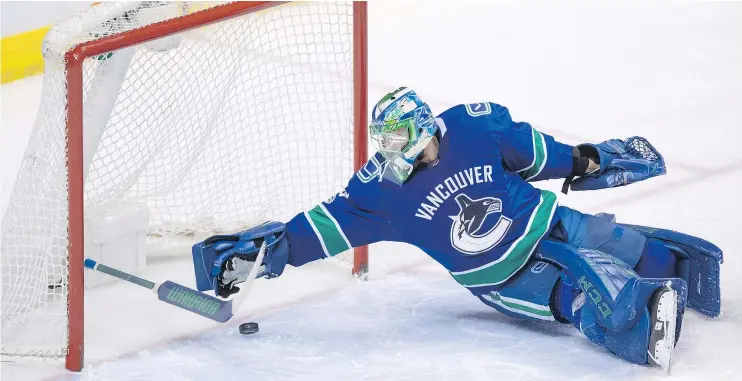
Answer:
(249, 118)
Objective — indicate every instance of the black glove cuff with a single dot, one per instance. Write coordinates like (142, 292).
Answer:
(579, 165)
(587, 150)
(580, 162)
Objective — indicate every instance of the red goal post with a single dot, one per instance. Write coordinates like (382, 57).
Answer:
(76, 175)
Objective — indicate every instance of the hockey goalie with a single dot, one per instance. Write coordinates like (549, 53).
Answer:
(459, 187)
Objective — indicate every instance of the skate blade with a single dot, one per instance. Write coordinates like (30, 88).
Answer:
(668, 315)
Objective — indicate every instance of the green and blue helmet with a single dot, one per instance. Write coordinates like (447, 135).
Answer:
(402, 125)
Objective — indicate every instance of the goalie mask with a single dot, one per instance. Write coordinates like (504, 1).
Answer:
(402, 126)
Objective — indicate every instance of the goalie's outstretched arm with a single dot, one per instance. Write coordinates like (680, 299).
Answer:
(535, 156)
(331, 228)
(222, 262)
(532, 154)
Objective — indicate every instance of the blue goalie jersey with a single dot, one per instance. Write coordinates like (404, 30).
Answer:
(472, 210)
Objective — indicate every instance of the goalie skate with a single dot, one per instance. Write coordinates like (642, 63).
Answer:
(663, 312)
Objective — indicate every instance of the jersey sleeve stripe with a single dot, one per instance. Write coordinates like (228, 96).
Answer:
(328, 231)
(316, 232)
(520, 250)
(540, 155)
(522, 171)
(337, 225)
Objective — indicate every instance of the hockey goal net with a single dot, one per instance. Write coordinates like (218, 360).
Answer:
(211, 116)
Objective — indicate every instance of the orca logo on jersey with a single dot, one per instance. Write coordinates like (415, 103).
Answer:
(465, 236)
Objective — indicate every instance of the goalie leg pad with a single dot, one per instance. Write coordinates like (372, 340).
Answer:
(698, 263)
(613, 289)
(629, 345)
(611, 305)
(600, 295)
(526, 294)
(657, 261)
(569, 303)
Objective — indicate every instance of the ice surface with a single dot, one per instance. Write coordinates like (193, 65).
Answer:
(579, 71)
(417, 324)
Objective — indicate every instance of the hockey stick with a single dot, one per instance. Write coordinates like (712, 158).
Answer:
(186, 298)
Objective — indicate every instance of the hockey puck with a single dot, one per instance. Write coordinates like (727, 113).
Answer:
(249, 328)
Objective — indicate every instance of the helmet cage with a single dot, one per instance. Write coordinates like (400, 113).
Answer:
(395, 136)
(392, 139)
(402, 126)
